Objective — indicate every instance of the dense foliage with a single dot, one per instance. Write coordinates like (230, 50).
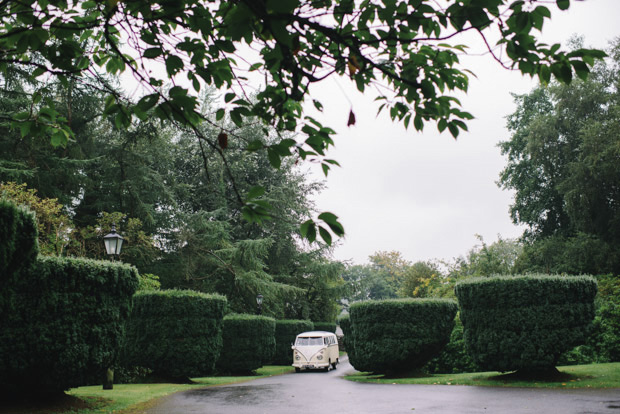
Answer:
(286, 331)
(180, 222)
(176, 333)
(18, 239)
(325, 326)
(177, 48)
(525, 322)
(399, 335)
(563, 166)
(62, 323)
(248, 343)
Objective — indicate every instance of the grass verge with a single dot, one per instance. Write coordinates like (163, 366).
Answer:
(127, 398)
(574, 376)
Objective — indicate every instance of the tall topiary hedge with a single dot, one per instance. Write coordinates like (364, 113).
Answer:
(18, 238)
(176, 333)
(62, 323)
(249, 343)
(525, 322)
(286, 331)
(398, 335)
(325, 326)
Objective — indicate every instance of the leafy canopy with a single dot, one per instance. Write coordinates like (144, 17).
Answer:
(172, 49)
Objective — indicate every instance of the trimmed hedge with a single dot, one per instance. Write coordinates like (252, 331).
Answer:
(454, 358)
(176, 333)
(398, 335)
(346, 343)
(19, 244)
(63, 323)
(325, 326)
(525, 322)
(286, 331)
(249, 343)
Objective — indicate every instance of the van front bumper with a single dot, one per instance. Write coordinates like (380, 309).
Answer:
(310, 365)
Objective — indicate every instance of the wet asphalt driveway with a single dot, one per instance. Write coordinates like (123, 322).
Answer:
(319, 392)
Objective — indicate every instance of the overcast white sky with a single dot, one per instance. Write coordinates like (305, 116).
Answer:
(427, 195)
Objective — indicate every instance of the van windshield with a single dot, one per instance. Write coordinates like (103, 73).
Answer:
(309, 341)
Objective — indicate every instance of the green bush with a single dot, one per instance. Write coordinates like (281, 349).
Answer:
(325, 326)
(454, 358)
(347, 344)
(18, 238)
(64, 323)
(286, 331)
(249, 343)
(603, 344)
(399, 335)
(176, 333)
(525, 322)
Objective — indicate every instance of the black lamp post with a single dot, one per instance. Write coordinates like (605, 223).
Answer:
(259, 301)
(113, 243)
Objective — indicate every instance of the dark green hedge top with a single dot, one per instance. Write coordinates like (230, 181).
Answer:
(391, 305)
(168, 303)
(539, 290)
(325, 326)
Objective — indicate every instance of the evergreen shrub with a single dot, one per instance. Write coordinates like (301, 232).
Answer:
(399, 335)
(347, 343)
(63, 323)
(325, 326)
(176, 333)
(18, 238)
(525, 322)
(286, 331)
(454, 358)
(249, 342)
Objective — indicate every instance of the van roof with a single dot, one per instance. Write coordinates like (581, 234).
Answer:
(315, 333)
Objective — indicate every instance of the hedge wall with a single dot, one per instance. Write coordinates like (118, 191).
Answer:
(525, 322)
(347, 344)
(18, 238)
(398, 335)
(325, 326)
(176, 333)
(249, 343)
(62, 323)
(286, 331)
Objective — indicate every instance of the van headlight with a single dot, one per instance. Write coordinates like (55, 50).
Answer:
(297, 357)
(320, 357)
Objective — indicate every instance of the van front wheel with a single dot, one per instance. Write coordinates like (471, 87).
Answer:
(297, 369)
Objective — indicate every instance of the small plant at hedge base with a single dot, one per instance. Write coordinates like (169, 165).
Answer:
(524, 323)
(399, 335)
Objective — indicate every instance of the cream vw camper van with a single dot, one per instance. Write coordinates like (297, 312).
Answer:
(315, 350)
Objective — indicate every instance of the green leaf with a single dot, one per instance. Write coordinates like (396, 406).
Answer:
(282, 6)
(152, 52)
(174, 64)
(563, 4)
(327, 238)
(255, 192)
(255, 145)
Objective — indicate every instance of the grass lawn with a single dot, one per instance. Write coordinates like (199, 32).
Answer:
(127, 398)
(575, 376)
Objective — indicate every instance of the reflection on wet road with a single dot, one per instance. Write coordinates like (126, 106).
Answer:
(312, 392)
